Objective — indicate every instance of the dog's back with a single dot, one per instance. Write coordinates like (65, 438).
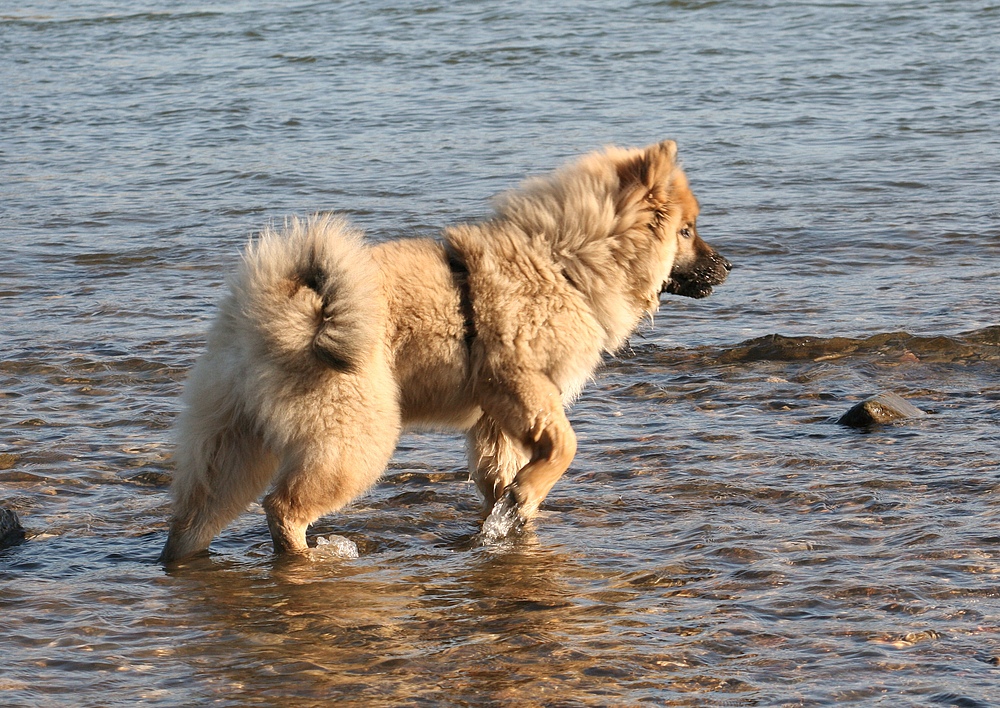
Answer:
(429, 332)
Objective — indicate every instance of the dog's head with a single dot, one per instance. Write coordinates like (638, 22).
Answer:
(654, 189)
(697, 267)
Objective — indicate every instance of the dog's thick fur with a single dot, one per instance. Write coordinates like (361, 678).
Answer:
(327, 348)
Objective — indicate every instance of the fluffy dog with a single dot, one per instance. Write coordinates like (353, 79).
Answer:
(326, 347)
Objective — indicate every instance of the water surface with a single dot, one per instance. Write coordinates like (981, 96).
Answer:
(719, 540)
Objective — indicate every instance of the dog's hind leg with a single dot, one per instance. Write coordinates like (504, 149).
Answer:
(494, 459)
(323, 477)
(530, 410)
(217, 476)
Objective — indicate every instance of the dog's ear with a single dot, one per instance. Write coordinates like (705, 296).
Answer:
(661, 161)
(646, 176)
(668, 148)
(651, 167)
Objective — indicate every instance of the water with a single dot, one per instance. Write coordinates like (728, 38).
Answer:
(719, 540)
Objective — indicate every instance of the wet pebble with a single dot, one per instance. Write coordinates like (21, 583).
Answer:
(883, 408)
(11, 531)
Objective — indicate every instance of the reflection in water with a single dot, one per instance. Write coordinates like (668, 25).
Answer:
(512, 623)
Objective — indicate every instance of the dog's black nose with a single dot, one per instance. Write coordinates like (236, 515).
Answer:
(726, 264)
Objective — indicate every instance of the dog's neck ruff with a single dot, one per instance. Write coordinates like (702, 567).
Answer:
(460, 274)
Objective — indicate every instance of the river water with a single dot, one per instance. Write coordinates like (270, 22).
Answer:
(719, 539)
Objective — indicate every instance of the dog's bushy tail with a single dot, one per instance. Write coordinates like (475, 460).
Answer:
(305, 302)
(310, 291)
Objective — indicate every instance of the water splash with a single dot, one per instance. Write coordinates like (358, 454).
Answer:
(504, 519)
(334, 546)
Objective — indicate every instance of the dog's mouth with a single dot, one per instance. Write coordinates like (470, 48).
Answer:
(698, 280)
(686, 288)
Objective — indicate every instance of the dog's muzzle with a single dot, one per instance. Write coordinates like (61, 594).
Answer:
(698, 279)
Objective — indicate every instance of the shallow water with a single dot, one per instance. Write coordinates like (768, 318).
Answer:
(719, 540)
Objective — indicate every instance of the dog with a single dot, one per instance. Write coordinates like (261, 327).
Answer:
(326, 348)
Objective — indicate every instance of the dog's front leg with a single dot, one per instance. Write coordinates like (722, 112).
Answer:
(494, 460)
(553, 446)
(530, 411)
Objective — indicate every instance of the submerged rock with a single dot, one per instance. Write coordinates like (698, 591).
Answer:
(11, 531)
(151, 479)
(883, 408)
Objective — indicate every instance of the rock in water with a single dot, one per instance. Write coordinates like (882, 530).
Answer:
(11, 531)
(883, 408)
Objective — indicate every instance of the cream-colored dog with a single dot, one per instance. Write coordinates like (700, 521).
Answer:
(327, 347)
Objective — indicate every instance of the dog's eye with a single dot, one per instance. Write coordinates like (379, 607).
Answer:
(686, 232)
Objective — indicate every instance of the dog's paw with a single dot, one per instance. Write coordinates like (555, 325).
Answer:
(505, 519)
